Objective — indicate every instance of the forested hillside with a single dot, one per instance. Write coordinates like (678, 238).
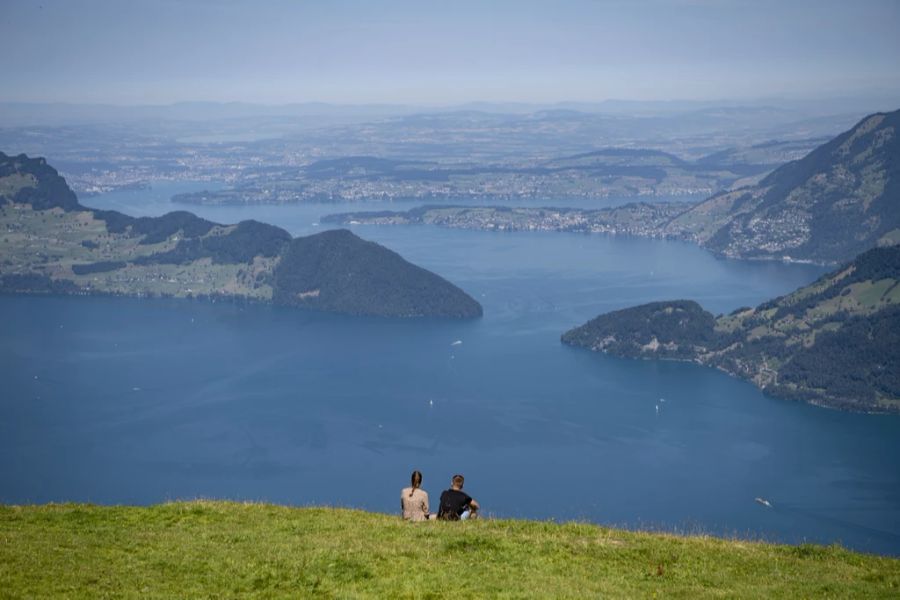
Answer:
(835, 342)
(841, 199)
(52, 244)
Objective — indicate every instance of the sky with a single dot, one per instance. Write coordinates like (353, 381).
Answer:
(449, 52)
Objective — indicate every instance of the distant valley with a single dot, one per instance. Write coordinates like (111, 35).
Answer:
(837, 201)
(283, 155)
(589, 176)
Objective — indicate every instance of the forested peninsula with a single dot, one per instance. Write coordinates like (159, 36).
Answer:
(834, 343)
(52, 244)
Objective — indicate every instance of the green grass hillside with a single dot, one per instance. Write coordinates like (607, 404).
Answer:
(224, 549)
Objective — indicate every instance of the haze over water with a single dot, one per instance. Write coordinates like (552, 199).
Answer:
(138, 401)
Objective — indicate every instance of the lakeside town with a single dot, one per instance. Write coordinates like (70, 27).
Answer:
(643, 219)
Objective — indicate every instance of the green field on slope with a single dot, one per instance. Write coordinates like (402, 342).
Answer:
(224, 549)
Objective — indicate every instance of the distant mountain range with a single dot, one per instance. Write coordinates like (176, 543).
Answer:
(478, 151)
(69, 113)
(834, 343)
(52, 244)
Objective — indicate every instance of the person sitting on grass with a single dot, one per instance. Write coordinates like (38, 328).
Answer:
(414, 500)
(456, 505)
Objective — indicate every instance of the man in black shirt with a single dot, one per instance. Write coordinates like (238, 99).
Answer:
(455, 503)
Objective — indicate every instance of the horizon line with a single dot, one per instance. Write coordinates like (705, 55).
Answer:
(868, 95)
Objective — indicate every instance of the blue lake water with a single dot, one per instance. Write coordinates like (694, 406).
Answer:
(139, 401)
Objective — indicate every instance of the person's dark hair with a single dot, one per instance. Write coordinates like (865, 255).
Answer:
(458, 481)
(416, 481)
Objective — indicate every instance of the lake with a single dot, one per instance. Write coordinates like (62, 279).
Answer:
(116, 400)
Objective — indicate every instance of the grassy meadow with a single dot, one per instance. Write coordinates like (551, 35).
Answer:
(207, 549)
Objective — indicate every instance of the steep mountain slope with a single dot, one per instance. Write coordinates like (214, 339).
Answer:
(841, 199)
(50, 243)
(835, 342)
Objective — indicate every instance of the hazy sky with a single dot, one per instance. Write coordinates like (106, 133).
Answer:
(160, 51)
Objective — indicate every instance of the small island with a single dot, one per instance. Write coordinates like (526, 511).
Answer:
(52, 244)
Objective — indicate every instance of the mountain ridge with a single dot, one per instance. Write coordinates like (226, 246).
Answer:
(804, 209)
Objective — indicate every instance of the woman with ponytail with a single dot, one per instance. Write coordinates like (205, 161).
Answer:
(414, 500)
